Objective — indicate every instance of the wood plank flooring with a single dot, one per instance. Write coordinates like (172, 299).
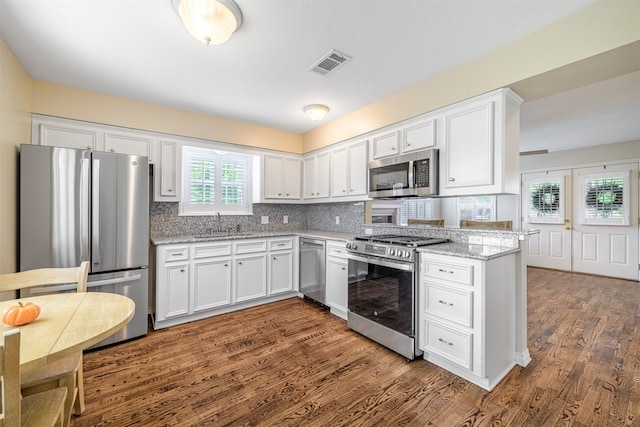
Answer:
(293, 364)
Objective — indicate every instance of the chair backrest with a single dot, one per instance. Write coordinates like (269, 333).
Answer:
(46, 276)
(436, 222)
(10, 371)
(500, 225)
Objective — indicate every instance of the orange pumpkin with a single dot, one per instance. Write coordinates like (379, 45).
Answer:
(20, 314)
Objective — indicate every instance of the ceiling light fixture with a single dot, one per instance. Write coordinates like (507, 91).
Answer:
(210, 21)
(316, 112)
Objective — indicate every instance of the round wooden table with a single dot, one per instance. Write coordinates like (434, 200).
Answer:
(68, 323)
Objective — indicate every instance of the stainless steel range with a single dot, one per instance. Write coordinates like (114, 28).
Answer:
(382, 298)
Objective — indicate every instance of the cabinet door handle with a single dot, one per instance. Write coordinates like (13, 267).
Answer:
(274, 258)
(450, 304)
(226, 265)
(239, 262)
(445, 342)
(393, 148)
(451, 179)
(182, 270)
(344, 268)
(441, 270)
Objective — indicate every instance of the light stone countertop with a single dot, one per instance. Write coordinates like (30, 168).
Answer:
(169, 240)
(465, 250)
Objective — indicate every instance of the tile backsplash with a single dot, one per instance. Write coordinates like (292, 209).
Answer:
(165, 220)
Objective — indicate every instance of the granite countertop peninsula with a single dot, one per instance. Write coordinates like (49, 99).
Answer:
(197, 238)
(467, 250)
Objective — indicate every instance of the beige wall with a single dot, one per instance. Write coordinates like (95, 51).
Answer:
(15, 129)
(629, 150)
(69, 102)
(601, 27)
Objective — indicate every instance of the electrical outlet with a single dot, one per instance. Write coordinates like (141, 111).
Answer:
(285, 219)
(368, 231)
(337, 220)
(265, 219)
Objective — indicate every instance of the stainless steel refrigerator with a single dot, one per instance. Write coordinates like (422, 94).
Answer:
(82, 205)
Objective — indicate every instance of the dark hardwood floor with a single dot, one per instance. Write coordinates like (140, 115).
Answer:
(293, 364)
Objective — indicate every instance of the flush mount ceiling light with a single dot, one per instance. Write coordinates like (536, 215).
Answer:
(210, 21)
(316, 112)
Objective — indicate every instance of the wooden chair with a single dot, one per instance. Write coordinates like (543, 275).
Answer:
(66, 372)
(497, 225)
(436, 222)
(43, 409)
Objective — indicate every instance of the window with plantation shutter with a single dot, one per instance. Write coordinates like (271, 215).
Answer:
(416, 209)
(477, 208)
(215, 181)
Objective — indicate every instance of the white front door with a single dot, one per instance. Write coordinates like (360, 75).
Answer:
(546, 206)
(605, 226)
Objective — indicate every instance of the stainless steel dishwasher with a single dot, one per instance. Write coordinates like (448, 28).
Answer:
(312, 269)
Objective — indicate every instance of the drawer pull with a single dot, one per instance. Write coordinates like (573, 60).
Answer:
(445, 341)
(177, 254)
(450, 304)
(442, 270)
(281, 244)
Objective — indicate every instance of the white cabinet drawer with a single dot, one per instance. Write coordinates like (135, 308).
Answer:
(453, 272)
(211, 250)
(249, 246)
(451, 304)
(336, 250)
(454, 345)
(176, 254)
(280, 244)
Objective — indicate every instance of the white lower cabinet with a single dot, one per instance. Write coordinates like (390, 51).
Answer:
(198, 280)
(211, 283)
(336, 277)
(466, 317)
(251, 277)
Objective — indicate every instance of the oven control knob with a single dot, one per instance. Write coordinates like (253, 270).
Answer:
(407, 254)
(392, 252)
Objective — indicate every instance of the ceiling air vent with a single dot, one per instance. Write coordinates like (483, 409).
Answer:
(330, 62)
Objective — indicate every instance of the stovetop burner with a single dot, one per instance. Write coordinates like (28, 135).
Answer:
(407, 241)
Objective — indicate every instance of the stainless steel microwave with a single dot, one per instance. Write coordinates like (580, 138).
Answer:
(406, 175)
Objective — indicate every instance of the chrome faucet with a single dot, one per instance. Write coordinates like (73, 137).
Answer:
(219, 222)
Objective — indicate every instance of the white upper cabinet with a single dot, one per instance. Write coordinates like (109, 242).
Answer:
(386, 144)
(349, 170)
(316, 176)
(166, 174)
(282, 177)
(480, 146)
(64, 133)
(67, 133)
(407, 136)
(418, 135)
(128, 143)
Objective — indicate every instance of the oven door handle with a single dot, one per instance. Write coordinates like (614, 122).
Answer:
(377, 261)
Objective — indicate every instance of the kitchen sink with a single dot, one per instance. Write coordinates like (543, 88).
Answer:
(221, 234)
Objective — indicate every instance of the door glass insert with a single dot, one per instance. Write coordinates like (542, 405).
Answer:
(546, 200)
(605, 199)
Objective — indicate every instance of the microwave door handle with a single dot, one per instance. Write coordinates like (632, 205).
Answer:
(412, 174)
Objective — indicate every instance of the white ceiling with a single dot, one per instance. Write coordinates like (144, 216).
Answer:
(140, 50)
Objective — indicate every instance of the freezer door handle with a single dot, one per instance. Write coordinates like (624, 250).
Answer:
(51, 289)
(84, 210)
(95, 202)
(114, 281)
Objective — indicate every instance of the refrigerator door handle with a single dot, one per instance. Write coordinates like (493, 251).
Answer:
(84, 211)
(114, 281)
(95, 202)
(53, 288)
